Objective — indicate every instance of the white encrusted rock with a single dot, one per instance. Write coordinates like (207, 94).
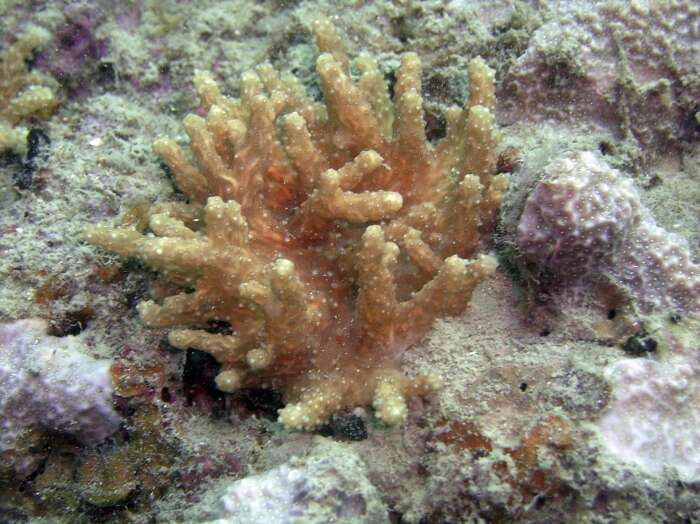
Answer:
(50, 382)
(654, 418)
(579, 213)
(328, 485)
(585, 219)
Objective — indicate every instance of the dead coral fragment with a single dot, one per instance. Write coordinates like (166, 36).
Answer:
(328, 236)
(21, 93)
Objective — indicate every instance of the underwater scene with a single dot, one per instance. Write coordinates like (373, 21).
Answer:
(309, 262)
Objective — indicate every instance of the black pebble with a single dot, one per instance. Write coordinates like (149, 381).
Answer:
(640, 344)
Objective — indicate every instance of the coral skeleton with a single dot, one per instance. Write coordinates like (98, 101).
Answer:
(325, 237)
(22, 94)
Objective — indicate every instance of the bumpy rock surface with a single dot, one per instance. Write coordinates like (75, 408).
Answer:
(50, 382)
(617, 64)
(654, 419)
(580, 213)
(584, 218)
(329, 485)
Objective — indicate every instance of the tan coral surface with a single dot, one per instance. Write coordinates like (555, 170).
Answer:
(21, 92)
(325, 237)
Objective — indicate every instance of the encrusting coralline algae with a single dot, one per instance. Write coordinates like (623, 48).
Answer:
(329, 249)
(584, 220)
(50, 382)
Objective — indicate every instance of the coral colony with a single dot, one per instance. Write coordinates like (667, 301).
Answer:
(325, 237)
(21, 94)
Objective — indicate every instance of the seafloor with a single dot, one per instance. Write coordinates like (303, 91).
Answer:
(564, 400)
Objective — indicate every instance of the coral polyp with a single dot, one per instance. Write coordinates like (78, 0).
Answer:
(326, 237)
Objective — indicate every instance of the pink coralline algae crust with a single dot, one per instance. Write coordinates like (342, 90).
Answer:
(654, 419)
(75, 45)
(49, 382)
(584, 218)
(330, 484)
(617, 64)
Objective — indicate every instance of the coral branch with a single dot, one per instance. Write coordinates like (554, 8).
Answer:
(22, 94)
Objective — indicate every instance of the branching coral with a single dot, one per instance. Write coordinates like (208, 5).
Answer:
(21, 91)
(328, 237)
